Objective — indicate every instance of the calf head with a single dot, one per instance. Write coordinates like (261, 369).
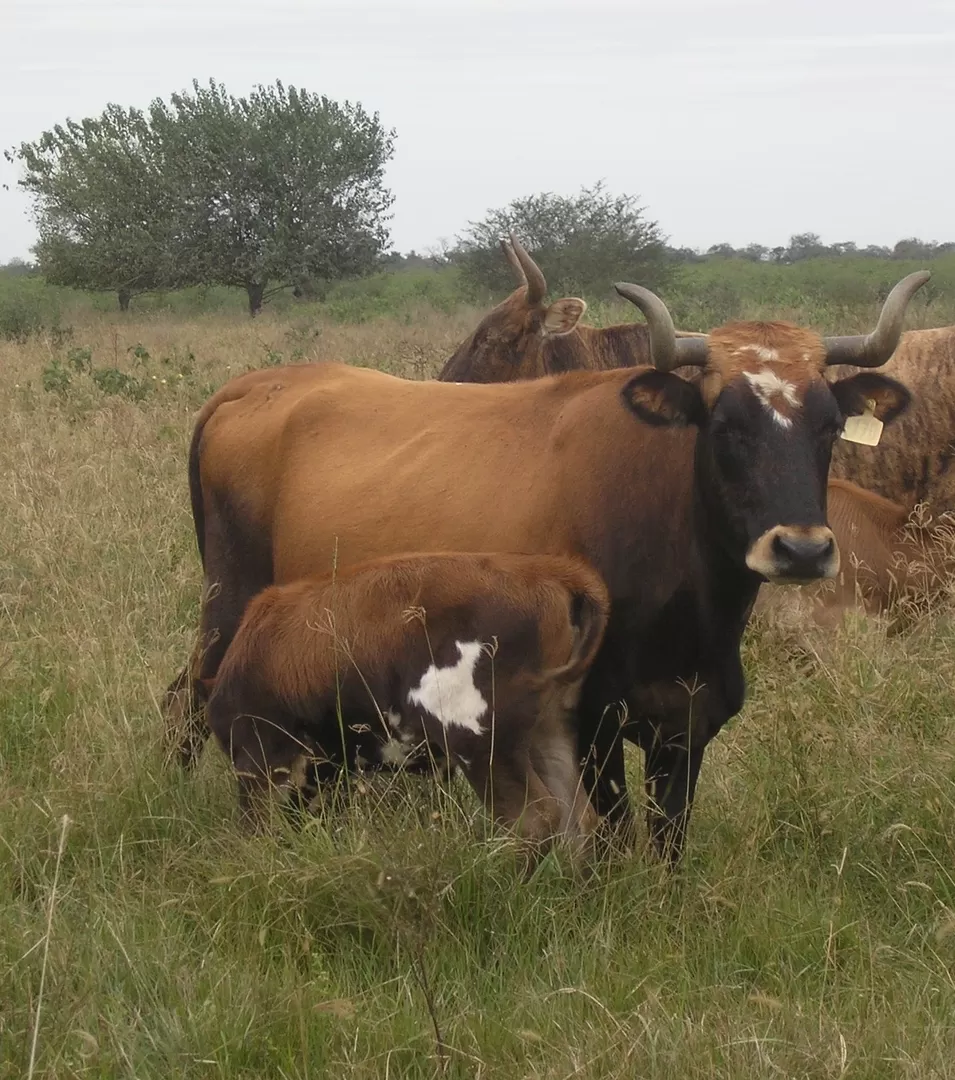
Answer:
(507, 343)
(768, 418)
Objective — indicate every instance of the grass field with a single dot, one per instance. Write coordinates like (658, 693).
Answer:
(810, 934)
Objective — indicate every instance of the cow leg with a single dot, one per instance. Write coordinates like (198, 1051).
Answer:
(185, 727)
(600, 747)
(671, 775)
(229, 584)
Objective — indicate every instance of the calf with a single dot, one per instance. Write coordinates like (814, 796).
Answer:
(479, 658)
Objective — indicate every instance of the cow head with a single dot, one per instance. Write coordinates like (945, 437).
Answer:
(507, 342)
(767, 419)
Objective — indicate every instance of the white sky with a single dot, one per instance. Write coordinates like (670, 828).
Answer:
(735, 120)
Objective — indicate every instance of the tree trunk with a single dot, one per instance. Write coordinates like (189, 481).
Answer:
(124, 298)
(255, 292)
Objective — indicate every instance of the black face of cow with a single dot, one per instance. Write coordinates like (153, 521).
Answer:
(762, 458)
(768, 468)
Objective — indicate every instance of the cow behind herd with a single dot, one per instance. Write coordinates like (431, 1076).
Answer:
(628, 490)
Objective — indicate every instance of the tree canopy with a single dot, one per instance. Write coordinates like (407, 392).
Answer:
(582, 242)
(260, 192)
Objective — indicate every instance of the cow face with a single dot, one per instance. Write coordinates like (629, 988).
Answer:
(507, 342)
(767, 421)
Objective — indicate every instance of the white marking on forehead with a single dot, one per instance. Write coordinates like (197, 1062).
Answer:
(764, 352)
(449, 693)
(394, 718)
(765, 384)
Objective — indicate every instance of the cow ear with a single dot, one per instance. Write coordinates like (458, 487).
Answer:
(665, 400)
(854, 392)
(562, 316)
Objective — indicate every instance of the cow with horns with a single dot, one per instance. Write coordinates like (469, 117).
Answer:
(916, 457)
(685, 496)
(524, 338)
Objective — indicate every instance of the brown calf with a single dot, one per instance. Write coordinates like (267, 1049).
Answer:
(478, 657)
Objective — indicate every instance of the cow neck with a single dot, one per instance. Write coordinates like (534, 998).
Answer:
(730, 587)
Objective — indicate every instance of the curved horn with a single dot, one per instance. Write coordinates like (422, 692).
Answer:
(873, 350)
(513, 260)
(666, 350)
(536, 284)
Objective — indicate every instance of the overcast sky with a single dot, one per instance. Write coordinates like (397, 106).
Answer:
(735, 120)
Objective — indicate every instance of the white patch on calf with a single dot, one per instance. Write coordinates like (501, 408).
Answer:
(449, 693)
(766, 384)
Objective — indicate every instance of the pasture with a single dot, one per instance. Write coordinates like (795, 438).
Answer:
(810, 932)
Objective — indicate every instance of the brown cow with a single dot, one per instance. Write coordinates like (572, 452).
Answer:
(477, 657)
(684, 496)
(522, 338)
(915, 460)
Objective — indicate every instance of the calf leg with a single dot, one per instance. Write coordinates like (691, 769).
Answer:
(671, 775)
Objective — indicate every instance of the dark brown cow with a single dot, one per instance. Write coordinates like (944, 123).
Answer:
(915, 460)
(479, 658)
(684, 496)
(523, 338)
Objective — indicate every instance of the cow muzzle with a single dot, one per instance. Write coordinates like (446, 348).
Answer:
(795, 554)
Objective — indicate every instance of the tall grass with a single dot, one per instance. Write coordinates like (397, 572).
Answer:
(811, 932)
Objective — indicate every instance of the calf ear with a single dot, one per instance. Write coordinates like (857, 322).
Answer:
(562, 316)
(665, 400)
(853, 392)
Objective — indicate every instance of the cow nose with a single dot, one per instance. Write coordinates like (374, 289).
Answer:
(802, 556)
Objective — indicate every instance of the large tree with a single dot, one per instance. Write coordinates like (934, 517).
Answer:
(275, 188)
(260, 192)
(583, 242)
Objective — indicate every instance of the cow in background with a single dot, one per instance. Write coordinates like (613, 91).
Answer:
(524, 338)
(915, 459)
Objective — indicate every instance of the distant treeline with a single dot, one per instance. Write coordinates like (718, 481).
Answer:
(801, 246)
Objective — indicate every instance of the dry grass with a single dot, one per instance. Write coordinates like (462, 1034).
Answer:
(811, 934)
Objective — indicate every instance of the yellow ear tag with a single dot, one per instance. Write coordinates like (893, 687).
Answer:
(865, 429)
